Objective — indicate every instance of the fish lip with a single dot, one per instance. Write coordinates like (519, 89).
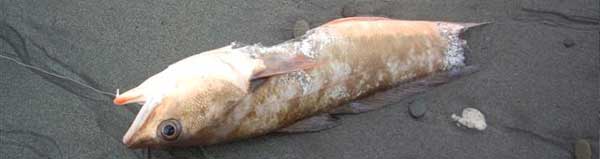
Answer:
(133, 140)
(136, 143)
(128, 140)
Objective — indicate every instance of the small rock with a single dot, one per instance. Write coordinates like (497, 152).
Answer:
(583, 150)
(568, 43)
(417, 109)
(358, 9)
(471, 118)
(300, 28)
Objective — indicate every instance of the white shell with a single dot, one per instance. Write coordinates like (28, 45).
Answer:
(471, 118)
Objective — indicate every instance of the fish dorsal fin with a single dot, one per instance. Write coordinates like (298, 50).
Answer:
(277, 64)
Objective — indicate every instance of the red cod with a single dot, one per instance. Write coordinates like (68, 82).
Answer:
(242, 91)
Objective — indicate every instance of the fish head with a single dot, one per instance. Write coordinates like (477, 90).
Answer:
(187, 116)
(192, 102)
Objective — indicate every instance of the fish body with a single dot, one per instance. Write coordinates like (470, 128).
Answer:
(238, 92)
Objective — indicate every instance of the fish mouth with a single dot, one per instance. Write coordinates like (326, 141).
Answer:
(136, 136)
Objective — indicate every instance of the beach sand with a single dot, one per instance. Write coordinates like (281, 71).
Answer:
(538, 86)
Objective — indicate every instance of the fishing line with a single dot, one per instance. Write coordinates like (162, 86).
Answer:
(58, 76)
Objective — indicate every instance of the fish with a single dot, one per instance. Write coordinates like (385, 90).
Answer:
(241, 91)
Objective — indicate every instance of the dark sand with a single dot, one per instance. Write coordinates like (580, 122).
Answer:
(539, 96)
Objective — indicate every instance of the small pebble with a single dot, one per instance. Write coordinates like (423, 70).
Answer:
(583, 150)
(471, 118)
(417, 109)
(357, 9)
(568, 43)
(300, 28)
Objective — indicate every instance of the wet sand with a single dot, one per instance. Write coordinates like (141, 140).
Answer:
(538, 85)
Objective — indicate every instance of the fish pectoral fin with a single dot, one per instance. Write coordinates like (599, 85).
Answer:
(277, 64)
(401, 91)
(256, 83)
(353, 108)
(311, 124)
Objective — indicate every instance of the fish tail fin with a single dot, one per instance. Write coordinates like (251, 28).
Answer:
(467, 26)
(457, 45)
(460, 28)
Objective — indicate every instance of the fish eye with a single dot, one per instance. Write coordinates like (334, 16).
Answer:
(169, 130)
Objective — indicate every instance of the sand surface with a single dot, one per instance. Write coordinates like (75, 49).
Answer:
(538, 86)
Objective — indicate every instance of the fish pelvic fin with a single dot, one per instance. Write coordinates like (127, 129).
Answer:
(311, 124)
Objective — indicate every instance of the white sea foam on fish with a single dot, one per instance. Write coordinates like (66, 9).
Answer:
(454, 54)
